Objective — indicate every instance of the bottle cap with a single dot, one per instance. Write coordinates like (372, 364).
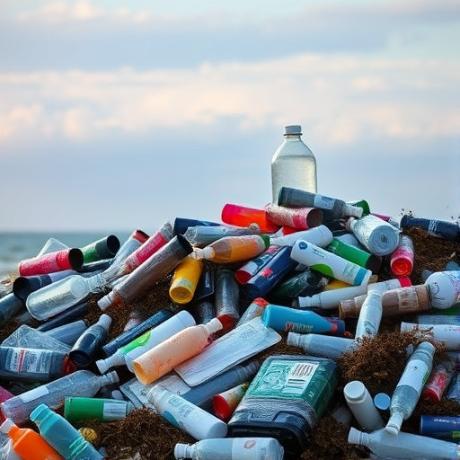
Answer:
(355, 436)
(349, 224)
(382, 401)
(182, 451)
(305, 302)
(105, 321)
(266, 240)
(6, 426)
(140, 236)
(105, 364)
(213, 326)
(394, 424)
(39, 412)
(105, 302)
(293, 339)
(354, 391)
(110, 378)
(292, 129)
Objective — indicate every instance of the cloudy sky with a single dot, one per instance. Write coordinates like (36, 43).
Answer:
(117, 114)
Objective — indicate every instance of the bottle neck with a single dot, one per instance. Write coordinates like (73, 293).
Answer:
(292, 137)
(364, 439)
(96, 283)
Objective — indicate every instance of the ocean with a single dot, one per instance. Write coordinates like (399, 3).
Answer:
(16, 246)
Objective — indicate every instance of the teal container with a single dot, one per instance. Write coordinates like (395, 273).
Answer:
(61, 435)
(285, 400)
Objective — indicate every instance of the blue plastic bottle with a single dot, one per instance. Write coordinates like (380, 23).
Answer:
(61, 435)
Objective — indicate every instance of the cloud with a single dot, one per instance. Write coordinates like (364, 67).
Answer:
(340, 100)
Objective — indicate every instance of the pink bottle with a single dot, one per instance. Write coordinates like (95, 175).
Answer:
(168, 354)
(402, 259)
(65, 259)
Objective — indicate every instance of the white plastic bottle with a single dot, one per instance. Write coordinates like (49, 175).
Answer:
(447, 334)
(128, 353)
(362, 406)
(325, 346)
(293, 164)
(231, 449)
(370, 316)
(328, 300)
(186, 416)
(320, 236)
(444, 288)
(404, 445)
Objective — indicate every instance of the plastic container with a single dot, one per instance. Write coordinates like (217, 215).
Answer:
(73, 313)
(319, 236)
(251, 268)
(231, 449)
(293, 164)
(438, 382)
(182, 346)
(370, 316)
(10, 305)
(134, 241)
(255, 308)
(105, 248)
(204, 312)
(324, 346)
(447, 334)
(361, 405)
(409, 388)
(355, 255)
(305, 283)
(242, 216)
(444, 288)
(296, 218)
(442, 427)
(27, 337)
(63, 259)
(329, 264)
(285, 399)
(224, 404)
(227, 298)
(439, 228)
(402, 259)
(203, 235)
(186, 416)
(181, 224)
(105, 410)
(70, 332)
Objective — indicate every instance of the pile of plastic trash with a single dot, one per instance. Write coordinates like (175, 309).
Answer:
(311, 272)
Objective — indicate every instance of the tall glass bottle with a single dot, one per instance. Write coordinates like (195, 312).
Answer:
(293, 164)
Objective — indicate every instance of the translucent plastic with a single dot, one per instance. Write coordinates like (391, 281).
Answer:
(293, 165)
(28, 337)
(324, 346)
(202, 235)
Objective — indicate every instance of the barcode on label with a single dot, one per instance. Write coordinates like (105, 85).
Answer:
(299, 377)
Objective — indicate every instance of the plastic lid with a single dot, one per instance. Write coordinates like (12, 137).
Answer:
(293, 339)
(221, 407)
(353, 211)
(354, 391)
(394, 424)
(404, 281)
(38, 412)
(7, 425)
(105, 321)
(105, 301)
(266, 239)
(292, 129)
(213, 326)
(110, 378)
(182, 451)
(355, 436)
(382, 401)
(103, 365)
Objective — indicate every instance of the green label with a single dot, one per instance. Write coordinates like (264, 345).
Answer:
(139, 342)
(324, 269)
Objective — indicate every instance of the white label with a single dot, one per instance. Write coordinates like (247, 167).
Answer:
(323, 202)
(114, 410)
(250, 448)
(34, 394)
(27, 361)
(415, 374)
(299, 377)
(407, 300)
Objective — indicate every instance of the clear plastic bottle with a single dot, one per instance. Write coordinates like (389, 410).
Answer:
(325, 346)
(293, 164)
(53, 394)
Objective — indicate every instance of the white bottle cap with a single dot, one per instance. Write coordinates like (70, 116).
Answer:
(394, 424)
(6, 426)
(105, 321)
(156, 393)
(182, 451)
(354, 391)
(293, 129)
(117, 394)
(353, 211)
(213, 326)
(355, 437)
(293, 339)
(305, 302)
(110, 378)
(105, 301)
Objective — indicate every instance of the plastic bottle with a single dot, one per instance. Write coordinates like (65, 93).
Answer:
(442, 427)
(185, 280)
(80, 383)
(182, 346)
(448, 334)
(298, 218)
(126, 337)
(395, 302)
(270, 275)
(404, 445)
(60, 434)
(402, 259)
(203, 235)
(186, 416)
(409, 387)
(333, 208)
(370, 316)
(255, 308)
(329, 264)
(307, 282)
(135, 318)
(293, 164)
(286, 399)
(224, 404)
(235, 249)
(89, 343)
(204, 312)
(155, 268)
(27, 337)
(377, 236)
(105, 248)
(10, 305)
(444, 288)
(105, 410)
(134, 241)
(438, 319)
(23, 286)
(243, 216)
(126, 354)
(355, 255)
(51, 245)
(69, 333)
(252, 267)
(285, 319)
(361, 405)
(28, 444)
(205, 288)
(61, 295)
(141, 254)
(7, 451)
(32, 365)
(439, 228)
(64, 259)
(453, 392)
(73, 313)
(231, 449)
(331, 299)
(227, 298)
(320, 236)
(324, 346)
(438, 382)
(181, 224)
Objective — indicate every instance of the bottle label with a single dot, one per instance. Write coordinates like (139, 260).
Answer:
(114, 411)
(34, 394)
(20, 360)
(249, 449)
(136, 343)
(407, 300)
(415, 374)
(323, 202)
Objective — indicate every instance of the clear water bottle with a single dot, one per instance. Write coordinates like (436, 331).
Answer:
(293, 164)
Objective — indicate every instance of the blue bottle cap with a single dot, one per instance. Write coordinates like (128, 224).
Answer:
(382, 401)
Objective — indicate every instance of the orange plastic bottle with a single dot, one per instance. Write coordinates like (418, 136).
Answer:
(167, 355)
(235, 248)
(27, 443)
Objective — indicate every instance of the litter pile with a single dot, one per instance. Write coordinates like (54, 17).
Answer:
(311, 328)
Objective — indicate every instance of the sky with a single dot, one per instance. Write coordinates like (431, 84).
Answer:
(117, 115)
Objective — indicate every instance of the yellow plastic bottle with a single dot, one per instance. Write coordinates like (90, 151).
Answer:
(168, 354)
(185, 280)
(235, 248)
(27, 443)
